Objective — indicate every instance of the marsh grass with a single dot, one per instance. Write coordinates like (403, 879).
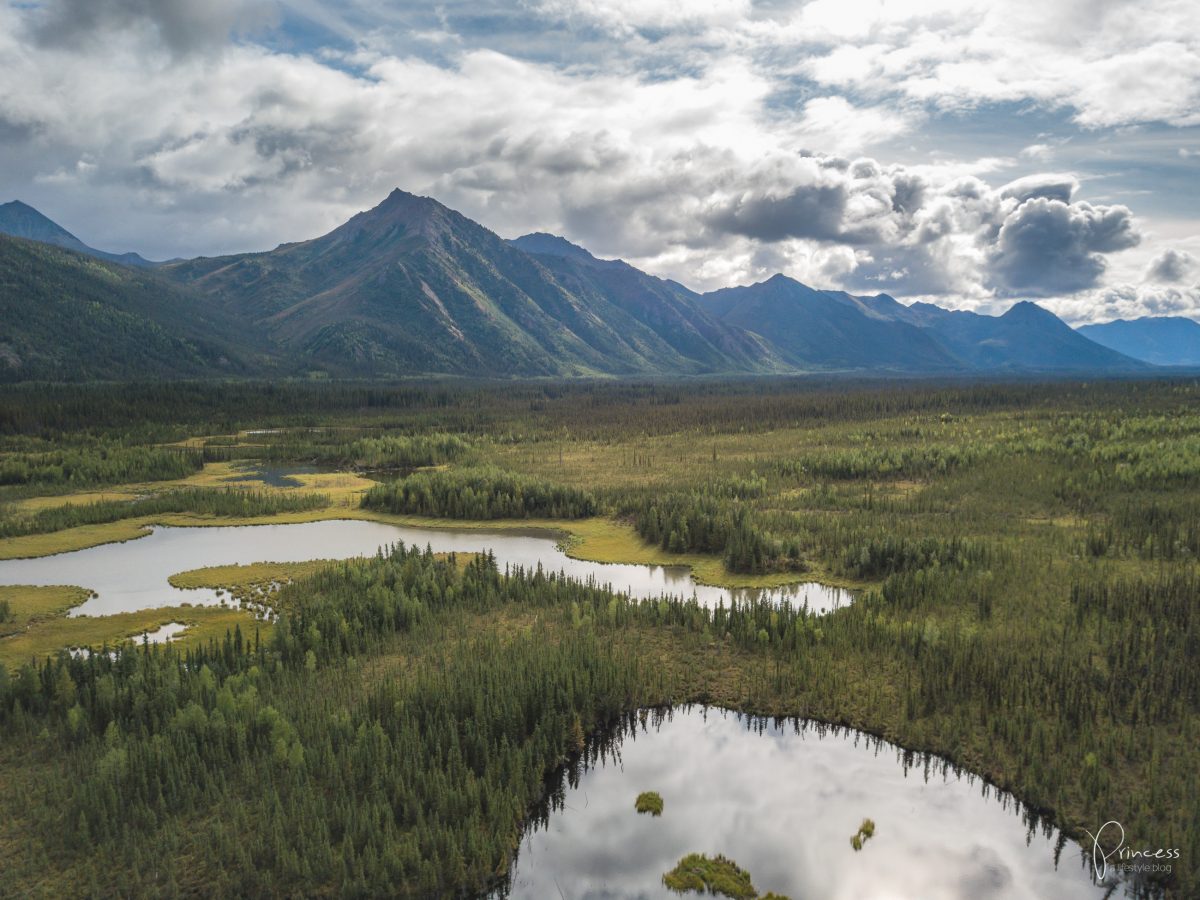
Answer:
(715, 875)
(649, 802)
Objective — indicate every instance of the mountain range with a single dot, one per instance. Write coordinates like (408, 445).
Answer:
(412, 287)
(18, 219)
(1162, 340)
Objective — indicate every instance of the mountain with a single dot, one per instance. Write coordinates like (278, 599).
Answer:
(836, 330)
(65, 316)
(1025, 338)
(814, 329)
(20, 220)
(1162, 340)
(414, 287)
(666, 316)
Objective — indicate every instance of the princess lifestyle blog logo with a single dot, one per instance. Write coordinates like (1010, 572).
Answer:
(1127, 859)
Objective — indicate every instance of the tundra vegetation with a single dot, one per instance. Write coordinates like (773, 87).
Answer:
(713, 875)
(1029, 608)
(649, 802)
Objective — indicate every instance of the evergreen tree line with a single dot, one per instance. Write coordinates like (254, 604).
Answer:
(589, 409)
(337, 447)
(480, 493)
(703, 522)
(96, 464)
(201, 501)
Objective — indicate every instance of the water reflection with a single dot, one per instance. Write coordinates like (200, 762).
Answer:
(160, 635)
(783, 798)
(133, 575)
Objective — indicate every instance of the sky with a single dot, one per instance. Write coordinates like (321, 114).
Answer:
(963, 153)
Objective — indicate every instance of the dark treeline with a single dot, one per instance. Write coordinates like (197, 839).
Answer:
(707, 523)
(201, 501)
(94, 464)
(588, 408)
(344, 447)
(479, 493)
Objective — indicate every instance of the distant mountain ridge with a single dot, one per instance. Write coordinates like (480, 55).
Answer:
(836, 330)
(1161, 340)
(20, 220)
(412, 287)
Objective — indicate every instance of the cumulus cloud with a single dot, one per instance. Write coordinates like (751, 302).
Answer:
(1049, 186)
(1047, 247)
(1113, 64)
(1171, 266)
(1128, 301)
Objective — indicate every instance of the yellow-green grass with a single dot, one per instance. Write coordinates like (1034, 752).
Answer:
(649, 802)
(712, 875)
(48, 636)
(250, 575)
(33, 603)
(597, 539)
(251, 583)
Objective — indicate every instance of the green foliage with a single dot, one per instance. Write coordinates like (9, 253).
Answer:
(202, 501)
(70, 317)
(709, 522)
(483, 493)
(420, 788)
(1031, 613)
(97, 463)
(716, 875)
(649, 802)
(865, 832)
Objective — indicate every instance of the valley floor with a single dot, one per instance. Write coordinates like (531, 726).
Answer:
(1025, 557)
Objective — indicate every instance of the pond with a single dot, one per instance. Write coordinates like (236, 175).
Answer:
(133, 575)
(783, 798)
(160, 635)
(277, 476)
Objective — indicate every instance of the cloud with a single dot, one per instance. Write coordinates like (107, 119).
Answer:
(809, 211)
(712, 144)
(1171, 266)
(624, 16)
(1049, 186)
(1047, 247)
(1115, 64)
(1128, 301)
(182, 25)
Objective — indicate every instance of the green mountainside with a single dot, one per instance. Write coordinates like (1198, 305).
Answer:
(70, 317)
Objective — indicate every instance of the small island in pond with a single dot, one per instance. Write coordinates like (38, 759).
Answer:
(649, 802)
(718, 875)
(865, 831)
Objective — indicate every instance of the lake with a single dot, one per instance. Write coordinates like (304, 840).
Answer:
(133, 575)
(782, 798)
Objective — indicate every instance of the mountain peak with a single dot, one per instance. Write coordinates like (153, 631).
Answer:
(541, 243)
(1027, 309)
(22, 220)
(399, 213)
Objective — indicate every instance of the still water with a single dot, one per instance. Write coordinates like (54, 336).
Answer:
(133, 575)
(783, 798)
